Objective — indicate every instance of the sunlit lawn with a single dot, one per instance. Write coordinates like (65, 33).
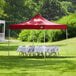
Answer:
(15, 65)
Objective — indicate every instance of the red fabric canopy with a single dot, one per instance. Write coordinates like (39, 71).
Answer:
(37, 22)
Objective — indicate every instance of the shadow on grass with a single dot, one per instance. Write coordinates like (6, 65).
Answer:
(49, 63)
(58, 45)
(14, 74)
(5, 48)
(39, 57)
(3, 43)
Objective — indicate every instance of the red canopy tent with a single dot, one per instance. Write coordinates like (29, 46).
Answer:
(38, 22)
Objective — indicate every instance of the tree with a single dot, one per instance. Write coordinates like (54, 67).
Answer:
(67, 6)
(69, 20)
(2, 13)
(73, 3)
(52, 9)
(21, 9)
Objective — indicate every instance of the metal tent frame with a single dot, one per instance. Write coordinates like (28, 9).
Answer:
(38, 22)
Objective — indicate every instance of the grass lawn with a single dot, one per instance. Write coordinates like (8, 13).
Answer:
(14, 65)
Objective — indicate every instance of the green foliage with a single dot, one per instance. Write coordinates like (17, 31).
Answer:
(38, 35)
(24, 35)
(67, 7)
(73, 4)
(29, 35)
(51, 9)
(55, 35)
(2, 4)
(71, 22)
(26, 9)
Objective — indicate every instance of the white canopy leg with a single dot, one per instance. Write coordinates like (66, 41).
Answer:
(33, 37)
(4, 30)
(44, 45)
(9, 43)
(66, 42)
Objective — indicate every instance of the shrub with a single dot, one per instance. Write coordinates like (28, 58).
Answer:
(23, 36)
(71, 22)
(38, 35)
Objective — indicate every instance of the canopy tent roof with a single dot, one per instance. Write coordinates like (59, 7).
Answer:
(37, 22)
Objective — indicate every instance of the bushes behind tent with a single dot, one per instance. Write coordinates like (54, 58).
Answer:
(38, 35)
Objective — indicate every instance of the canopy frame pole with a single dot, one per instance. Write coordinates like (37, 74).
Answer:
(4, 30)
(66, 34)
(44, 44)
(8, 42)
(66, 41)
(33, 37)
(33, 40)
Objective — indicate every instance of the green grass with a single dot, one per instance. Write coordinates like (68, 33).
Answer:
(14, 65)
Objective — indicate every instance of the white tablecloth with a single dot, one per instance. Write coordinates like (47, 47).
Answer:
(25, 49)
(38, 49)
